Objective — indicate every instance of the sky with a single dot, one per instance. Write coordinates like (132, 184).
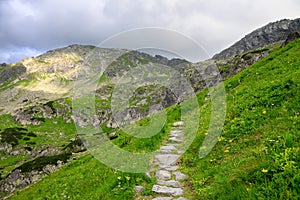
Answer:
(31, 27)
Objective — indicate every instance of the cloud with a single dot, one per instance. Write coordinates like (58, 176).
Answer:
(13, 54)
(29, 27)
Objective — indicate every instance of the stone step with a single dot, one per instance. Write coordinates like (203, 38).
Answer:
(167, 190)
(166, 159)
(179, 176)
(176, 133)
(171, 183)
(163, 175)
(169, 168)
(180, 123)
(169, 149)
(162, 198)
(175, 139)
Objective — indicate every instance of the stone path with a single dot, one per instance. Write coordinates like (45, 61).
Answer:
(168, 176)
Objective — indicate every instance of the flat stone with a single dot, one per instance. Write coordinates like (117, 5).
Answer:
(168, 149)
(175, 139)
(162, 198)
(176, 133)
(171, 183)
(180, 123)
(163, 175)
(166, 159)
(167, 190)
(181, 198)
(179, 176)
(138, 189)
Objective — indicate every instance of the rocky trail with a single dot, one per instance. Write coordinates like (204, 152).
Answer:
(169, 178)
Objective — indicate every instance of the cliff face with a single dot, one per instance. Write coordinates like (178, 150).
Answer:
(272, 33)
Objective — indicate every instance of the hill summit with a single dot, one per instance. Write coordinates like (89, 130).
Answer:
(274, 32)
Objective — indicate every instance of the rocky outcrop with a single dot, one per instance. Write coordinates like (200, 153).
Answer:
(291, 37)
(272, 33)
(232, 66)
(37, 113)
(31, 172)
(10, 72)
(44, 160)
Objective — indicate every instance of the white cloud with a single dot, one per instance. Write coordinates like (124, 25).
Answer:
(13, 54)
(216, 24)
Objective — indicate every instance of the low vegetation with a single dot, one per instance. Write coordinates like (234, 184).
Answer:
(256, 156)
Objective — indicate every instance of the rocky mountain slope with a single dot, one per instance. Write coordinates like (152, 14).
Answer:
(267, 35)
(256, 157)
(37, 129)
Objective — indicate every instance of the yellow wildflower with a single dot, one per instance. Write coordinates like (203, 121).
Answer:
(264, 170)
(220, 139)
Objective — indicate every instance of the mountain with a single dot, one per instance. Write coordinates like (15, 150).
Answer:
(274, 32)
(40, 119)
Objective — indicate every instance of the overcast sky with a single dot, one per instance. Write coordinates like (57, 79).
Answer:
(31, 27)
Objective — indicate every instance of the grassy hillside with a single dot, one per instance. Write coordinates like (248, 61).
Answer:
(256, 157)
(258, 154)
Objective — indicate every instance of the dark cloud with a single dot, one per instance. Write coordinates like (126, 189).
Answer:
(28, 27)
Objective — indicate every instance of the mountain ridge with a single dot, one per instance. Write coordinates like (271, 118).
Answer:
(36, 107)
(274, 32)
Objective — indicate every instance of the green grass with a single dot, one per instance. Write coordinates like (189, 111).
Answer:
(256, 157)
(135, 144)
(42, 61)
(86, 178)
(11, 84)
(51, 132)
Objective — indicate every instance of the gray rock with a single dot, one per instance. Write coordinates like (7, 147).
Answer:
(6, 147)
(96, 121)
(167, 190)
(180, 123)
(35, 178)
(291, 37)
(166, 159)
(179, 176)
(163, 175)
(175, 139)
(181, 198)
(176, 133)
(11, 72)
(168, 149)
(171, 183)
(139, 189)
(15, 153)
(112, 135)
(15, 175)
(162, 198)
(170, 168)
(267, 35)
(48, 169)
